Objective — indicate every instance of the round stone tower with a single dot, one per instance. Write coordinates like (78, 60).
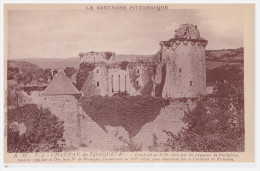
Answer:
(182, 64)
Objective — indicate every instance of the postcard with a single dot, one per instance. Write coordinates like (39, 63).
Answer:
(129, 83)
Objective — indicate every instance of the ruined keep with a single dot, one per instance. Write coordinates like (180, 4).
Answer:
(176, 71)
(181, 68)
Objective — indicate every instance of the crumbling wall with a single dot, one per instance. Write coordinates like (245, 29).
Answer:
(94, 57)
(184, 60)
(187, 31)
(141, 76)
(95, 80)
(147, 77)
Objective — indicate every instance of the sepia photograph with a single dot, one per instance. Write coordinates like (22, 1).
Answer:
(128, 78)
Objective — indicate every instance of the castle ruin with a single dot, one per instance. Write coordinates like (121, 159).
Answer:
(176, 71)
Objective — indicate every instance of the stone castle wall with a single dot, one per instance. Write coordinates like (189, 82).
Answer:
(66, 108)
(178, 70)
(107, 80)
(97, 57)
(119, 80)
(184, 62)
(181, 68)
(97, 81)
(142, 78)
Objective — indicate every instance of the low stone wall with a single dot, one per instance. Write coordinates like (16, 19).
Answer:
(95, 138)
(170, 119)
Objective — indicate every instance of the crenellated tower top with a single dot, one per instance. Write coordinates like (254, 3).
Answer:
(97, 56)
(184, 34)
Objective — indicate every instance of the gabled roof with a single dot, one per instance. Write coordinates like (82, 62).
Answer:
(60, 85)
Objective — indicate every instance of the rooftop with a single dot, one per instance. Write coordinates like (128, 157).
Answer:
(60, 85)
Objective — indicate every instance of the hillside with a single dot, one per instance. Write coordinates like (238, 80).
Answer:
(226, 55)
(214, 58)
(53, 63)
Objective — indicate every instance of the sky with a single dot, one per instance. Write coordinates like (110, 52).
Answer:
(63, 33)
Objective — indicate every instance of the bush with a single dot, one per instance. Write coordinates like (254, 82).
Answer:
(26, 72)
(230, 73)
(41, 131)
(216, 124)
(83, 73)
(130, 147)
(69, 71)
(123, 65)
(121, 94)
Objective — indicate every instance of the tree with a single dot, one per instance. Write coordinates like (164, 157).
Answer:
(69, 71)
(33, 129)
(26, 72)
(216, 124)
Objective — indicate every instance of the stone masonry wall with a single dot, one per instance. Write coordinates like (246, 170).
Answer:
(118, 80)
(107, 80)
(97, 81)
(185, 70)
(66, 108)
(97, 57)
(181, 68)
(178, 69)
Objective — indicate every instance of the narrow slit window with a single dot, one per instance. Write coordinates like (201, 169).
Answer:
(179, 69)
(97, 71)
(190, 83)
(137, 71)
(97, 84)
(112, 84)
(137, 82)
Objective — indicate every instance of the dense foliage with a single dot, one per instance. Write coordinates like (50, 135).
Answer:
(83, 73)
(69, 71)
(29, 89)
(26, 72)
(123, 65)
(130, 112)
(31, 129)
(227, 72)
(217, 122)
